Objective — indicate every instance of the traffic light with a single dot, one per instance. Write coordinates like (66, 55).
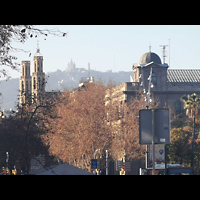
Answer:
(167, 153)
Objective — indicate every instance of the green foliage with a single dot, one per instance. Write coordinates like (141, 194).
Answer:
(181, 134)
(180, 147)
(191, 104)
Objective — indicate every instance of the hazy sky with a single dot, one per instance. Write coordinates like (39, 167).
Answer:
(114, 47)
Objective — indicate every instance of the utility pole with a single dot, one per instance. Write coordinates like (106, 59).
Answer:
(7, 158)
(153, 142)
(83, 161)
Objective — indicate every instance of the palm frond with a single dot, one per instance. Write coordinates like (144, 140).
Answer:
(191, 104)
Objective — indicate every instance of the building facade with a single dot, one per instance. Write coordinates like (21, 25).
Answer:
(32, 87)
(168, 85)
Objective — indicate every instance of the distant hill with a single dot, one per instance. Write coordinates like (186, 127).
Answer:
(59, 80)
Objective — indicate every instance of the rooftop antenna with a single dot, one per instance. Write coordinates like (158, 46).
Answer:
(164, 55)
(114, 62)
(149, 47)
(169, 52)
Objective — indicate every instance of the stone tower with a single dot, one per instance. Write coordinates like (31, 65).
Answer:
(38, 76)
(25, 83)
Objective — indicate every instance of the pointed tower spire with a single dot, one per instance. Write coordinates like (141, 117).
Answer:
(38, 49)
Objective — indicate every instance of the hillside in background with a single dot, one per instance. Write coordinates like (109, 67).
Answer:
(59, 80)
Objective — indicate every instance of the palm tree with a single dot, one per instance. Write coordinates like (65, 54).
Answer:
(192, 106)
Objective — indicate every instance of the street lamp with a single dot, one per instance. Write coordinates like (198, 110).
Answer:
(147, 98)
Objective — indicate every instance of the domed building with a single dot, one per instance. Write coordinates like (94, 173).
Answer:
(167, 86)
(147, 62)
(150, 57)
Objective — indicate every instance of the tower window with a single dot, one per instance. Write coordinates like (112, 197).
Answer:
(34, 84)
(22, 85)
(35, 66)
(26, 85)
(23, 71)
(154, 78)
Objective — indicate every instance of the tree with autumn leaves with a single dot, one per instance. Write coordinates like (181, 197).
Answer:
(185, 134)
(19, 34)
(77, 126)
(81, 123)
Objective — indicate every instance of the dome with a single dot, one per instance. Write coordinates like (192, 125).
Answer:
(150, 57)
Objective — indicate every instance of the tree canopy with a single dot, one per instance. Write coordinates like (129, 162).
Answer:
(19, 33)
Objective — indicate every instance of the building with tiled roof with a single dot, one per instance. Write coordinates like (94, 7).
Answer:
(167, 85)
(183, 76)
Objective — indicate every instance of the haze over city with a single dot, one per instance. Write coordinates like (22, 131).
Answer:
(113, 47)
(100, 99)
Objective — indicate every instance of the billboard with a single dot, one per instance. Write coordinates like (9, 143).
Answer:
(159, 154)
(161, 123)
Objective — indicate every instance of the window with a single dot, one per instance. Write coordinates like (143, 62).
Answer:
(38, 66)
(23, 71)
(154, 78)
(34, 84)
(178, 107)
(22, 85)
(26, 85)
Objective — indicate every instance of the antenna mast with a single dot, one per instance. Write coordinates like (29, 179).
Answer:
(149, 47)
(164, 48)
(169, 52)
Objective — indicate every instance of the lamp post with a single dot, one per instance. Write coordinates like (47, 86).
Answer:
(83, 161)
(106, 162)
(148, 99)
(7, 158)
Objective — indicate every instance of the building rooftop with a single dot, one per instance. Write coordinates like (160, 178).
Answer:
(150, 57)
(183, 76)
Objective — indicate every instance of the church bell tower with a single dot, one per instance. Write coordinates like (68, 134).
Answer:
(25, 83)
(38, 76)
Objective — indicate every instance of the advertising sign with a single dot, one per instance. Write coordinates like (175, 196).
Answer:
(161, 126)
(159, 154)
(93, 163)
